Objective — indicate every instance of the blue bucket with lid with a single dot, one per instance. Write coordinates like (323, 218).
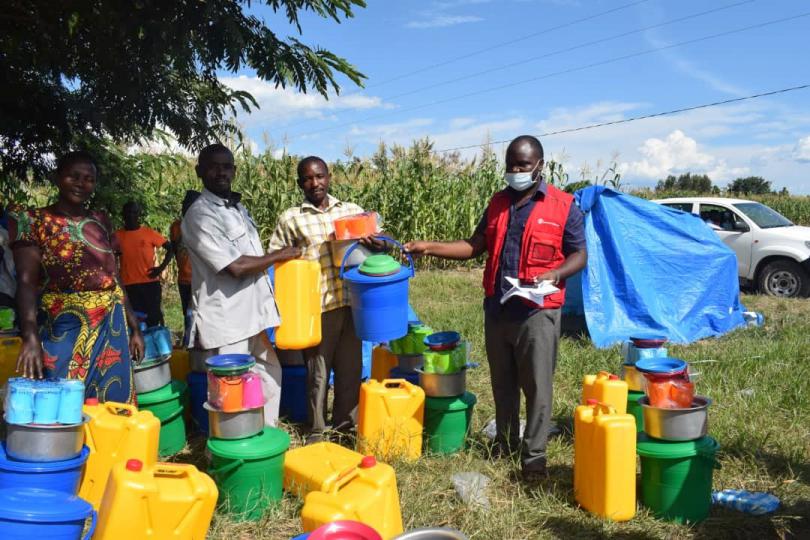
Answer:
(63, 476)
(379, 301)
(41, 513)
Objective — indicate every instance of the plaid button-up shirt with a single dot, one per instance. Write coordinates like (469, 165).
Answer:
(309, 228)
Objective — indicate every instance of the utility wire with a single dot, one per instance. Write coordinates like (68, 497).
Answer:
(643, 117)
(561, 72)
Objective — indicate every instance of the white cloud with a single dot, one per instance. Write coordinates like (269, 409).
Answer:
(443, 21)
(801, 152)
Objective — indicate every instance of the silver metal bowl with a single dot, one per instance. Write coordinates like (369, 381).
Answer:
(443, 385)
(677, 424)
(150, 376)
(633, 377)
(432, 533)
(54, 442)
(338, 248)
(234, 425)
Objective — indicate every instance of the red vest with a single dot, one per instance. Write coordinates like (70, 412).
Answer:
(541, 247)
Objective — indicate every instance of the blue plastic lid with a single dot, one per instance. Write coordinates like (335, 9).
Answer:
(9, 464)
(661, 366)
(42, 505)
(443, 339)
(227, 362)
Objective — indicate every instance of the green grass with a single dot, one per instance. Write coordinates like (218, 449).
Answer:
(758, 379)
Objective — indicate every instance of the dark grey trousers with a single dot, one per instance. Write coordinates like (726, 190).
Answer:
(522, 355)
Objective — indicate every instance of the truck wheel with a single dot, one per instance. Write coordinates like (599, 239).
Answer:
(784, 278)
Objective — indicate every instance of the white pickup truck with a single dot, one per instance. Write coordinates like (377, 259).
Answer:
(772, 253)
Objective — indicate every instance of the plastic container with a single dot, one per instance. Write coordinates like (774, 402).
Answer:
(676, 477)
(42, 513)
(356, 226)
(71, 400)
(367, 494)
(61, 476)
(298, 297)
(379, 300)
(19, 401)
(447, 422)
(605, 388)
(180, 364)
(382, 360)
(167, 404)
(116, 432)
(293, 404)
(249, 472)
(198, 395)
(229, 365)
(317, 467)
(390, 418)
(46, 403)
(633, 377)
(605, 461)
(399, 373)
(343, 530)
(225, 393)
(252, 394)
(635, 408)
(9, 351)
(167, 500)
(632, 354)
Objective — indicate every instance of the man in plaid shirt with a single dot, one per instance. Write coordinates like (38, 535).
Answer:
(309, 226)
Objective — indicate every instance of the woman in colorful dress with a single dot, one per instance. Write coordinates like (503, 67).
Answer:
(65, 252)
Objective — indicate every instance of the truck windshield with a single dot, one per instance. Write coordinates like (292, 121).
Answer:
(763, 216)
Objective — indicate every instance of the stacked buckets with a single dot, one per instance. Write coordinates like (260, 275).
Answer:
(247, 458)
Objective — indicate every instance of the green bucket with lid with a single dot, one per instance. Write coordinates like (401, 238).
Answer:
(447, 422)
(168, 405)
(249, 472)
(676, 477)
(635, 408)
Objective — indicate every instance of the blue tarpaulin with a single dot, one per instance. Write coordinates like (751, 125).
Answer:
(654, 270)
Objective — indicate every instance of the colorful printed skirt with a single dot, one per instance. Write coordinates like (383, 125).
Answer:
(85, 337)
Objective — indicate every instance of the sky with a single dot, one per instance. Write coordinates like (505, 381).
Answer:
(464, 72)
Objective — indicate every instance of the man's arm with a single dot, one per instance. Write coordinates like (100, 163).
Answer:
(250, 265)
(167, 258)
(460, 250)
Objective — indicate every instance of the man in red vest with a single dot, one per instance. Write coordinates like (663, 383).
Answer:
(534, 232)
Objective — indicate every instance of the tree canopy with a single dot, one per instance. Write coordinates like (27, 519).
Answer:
(750, 185)
(699, 183)
(82, 73)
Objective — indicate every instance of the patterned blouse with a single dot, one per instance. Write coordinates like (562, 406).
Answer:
(77, 254)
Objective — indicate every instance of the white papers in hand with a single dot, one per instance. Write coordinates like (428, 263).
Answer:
(534, 293)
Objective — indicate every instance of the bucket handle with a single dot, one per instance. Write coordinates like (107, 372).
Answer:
(92, 529)
(387, 239)
(226, 468)
(116, 408)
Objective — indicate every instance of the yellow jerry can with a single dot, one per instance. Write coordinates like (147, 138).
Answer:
(390, 418)
(605, 388)
(9, 350)
(382, 360)
(605, 461)
(165, 501)
(298, 297)
(179, 364)
(115, 433)
(367, 494)
(317, 467)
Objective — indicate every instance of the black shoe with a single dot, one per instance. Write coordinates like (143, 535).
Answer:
(535, 474)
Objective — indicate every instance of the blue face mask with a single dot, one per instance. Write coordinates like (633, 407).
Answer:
(520, 181)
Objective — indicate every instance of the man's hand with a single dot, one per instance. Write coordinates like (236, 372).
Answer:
(374, 244)
(154, 272)
(29, 362)
(552, 275)
(417, 248)
(286, 253)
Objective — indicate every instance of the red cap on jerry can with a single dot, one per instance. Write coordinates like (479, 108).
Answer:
(134, 465)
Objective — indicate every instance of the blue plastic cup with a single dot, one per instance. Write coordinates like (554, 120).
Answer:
(46, 402)
(71, 399)
(163, 341)
(19, 401)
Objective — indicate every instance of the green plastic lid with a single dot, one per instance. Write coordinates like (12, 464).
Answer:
(646, 446)
(455, 403)
(380, 265)
(270, 442)
(633, 395)
(173, 390)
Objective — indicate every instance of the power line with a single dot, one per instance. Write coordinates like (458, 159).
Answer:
(506, 43)
(643, 117)
(562, 72)
(563, 51)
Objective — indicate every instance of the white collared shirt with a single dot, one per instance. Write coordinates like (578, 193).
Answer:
(226, 309)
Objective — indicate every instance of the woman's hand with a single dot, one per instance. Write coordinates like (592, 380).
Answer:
(136, 346)
(29, 362)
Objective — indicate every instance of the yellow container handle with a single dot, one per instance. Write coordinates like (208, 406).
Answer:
(117, 408)
(600, 407)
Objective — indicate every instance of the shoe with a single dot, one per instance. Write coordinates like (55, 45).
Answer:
(537, 473)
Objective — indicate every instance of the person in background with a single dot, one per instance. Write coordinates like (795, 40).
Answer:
(67, 252)
(181, 255)
(534, 232)
(308, 227)
(139, 274)
(231, 295)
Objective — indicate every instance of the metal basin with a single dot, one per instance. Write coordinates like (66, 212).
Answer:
(234, 425)
(633, 377)
(677, 424)
(409, 363)
(432, 533)
(338, 248)
(55, 442)
(443, 385)
(152, 375)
